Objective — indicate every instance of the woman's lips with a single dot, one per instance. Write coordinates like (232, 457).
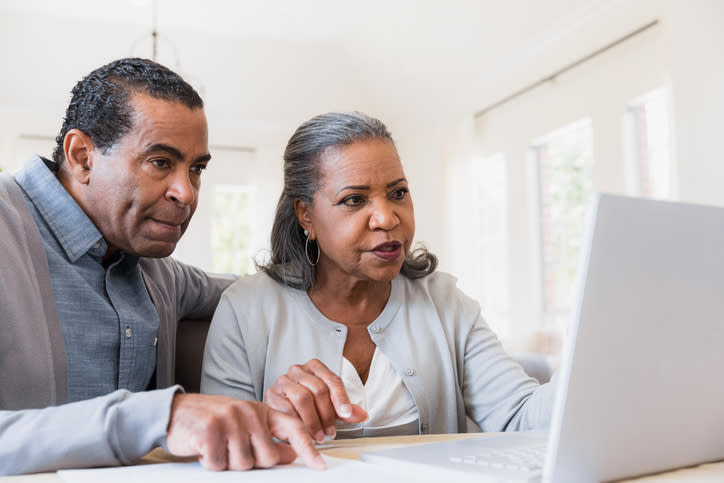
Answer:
(388, 251)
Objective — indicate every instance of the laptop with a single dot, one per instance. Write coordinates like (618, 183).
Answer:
(640, 384)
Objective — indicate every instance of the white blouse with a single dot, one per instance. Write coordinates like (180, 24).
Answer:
(388, 403)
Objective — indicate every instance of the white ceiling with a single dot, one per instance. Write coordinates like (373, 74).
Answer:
(352, 23)
(418, 60)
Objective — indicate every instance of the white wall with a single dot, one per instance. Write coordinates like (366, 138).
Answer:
(256, 90)
(697, 75)
(424, 82)
(684, 54)
(598, 89)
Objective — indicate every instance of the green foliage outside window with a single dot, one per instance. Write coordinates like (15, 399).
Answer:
(565, 165)
(231, 230)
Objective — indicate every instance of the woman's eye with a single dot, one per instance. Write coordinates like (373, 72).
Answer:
(400, 194)
(353, 200)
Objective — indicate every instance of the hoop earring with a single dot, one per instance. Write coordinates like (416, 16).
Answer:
(306, 250)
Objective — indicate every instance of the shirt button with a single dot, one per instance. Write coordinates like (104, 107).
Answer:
(96, 245)
(375, 329)
(155, 341)
(129, 332)
(338, 330)
(410, 371)
(425, 427)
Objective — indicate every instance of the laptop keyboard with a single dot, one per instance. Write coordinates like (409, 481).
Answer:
(528, 459)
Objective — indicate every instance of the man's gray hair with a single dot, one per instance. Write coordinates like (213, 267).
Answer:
(289, 263)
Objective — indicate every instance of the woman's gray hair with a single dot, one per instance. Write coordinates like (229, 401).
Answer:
(289, 263)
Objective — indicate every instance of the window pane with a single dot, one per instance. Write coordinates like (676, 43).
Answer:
(223, 262)
(231, 229)
(490, 211)
(648, 137)
(564, 160)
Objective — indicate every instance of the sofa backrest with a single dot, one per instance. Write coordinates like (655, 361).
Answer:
(190, 342)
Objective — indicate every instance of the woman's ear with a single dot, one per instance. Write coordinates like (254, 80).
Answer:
(302, 210)
(78, 149)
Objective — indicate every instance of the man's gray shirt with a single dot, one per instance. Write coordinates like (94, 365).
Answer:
(40, 361)
(117, 334)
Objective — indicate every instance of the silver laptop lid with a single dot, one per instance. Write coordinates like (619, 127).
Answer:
(640, 385)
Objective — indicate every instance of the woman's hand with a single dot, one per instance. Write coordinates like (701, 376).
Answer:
(317, 396)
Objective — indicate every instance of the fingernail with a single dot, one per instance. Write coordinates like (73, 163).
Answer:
(331, 432)
(345, 411)
(320, 463)
(319, 437)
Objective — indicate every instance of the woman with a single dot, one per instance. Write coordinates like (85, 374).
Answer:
(346, 313)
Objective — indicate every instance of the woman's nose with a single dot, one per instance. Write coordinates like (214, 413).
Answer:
(383, 217)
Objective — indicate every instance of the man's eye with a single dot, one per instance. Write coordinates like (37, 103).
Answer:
(160, 163)
(353, 200)
(198, 168)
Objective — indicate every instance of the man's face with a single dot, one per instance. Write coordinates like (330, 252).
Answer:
(142, 193)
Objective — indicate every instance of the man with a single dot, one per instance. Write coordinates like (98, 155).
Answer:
(90, 300)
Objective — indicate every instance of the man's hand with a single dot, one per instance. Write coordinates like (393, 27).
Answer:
(317, 396)
(233, 434)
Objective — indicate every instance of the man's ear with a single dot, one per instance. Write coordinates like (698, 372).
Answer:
(78, 149)
(302, 210)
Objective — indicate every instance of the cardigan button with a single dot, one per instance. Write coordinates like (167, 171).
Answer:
(425, 427)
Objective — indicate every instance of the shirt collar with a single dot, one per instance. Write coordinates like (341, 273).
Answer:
(74, 231)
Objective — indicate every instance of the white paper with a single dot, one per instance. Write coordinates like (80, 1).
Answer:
(339, 471)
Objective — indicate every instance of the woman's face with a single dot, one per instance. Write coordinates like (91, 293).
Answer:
(362, 216)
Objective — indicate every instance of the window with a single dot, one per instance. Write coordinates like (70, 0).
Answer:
(491, 212)
(647, 146)
(231, 229)
(564, 161)
(223, 235)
